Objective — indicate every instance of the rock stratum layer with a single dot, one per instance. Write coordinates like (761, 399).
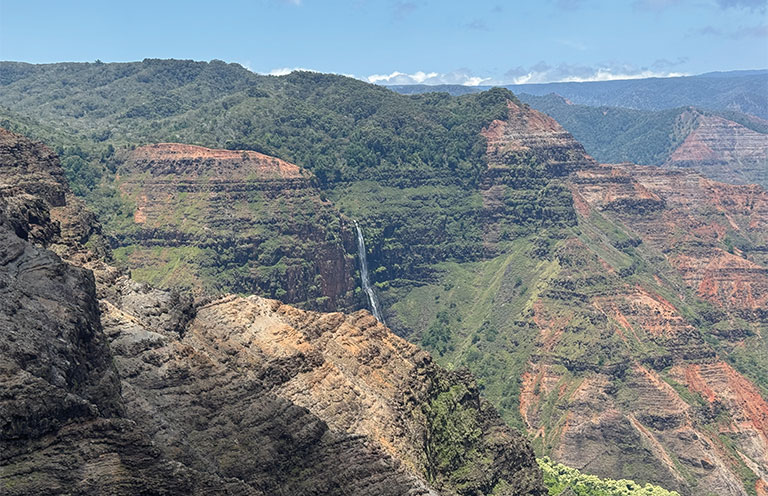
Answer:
(112, 386)
(239, 221)
(721, 149)
(663, 392)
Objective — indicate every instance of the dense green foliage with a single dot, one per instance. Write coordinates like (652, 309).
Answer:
(405, 166)
(340, 128)
(614, 134)
(453, 431)
(562, 480)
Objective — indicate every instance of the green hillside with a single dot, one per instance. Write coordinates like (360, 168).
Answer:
(378, 154)
(564, 481)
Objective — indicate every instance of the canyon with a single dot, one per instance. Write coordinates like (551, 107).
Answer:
(111, 385)
(613, 312)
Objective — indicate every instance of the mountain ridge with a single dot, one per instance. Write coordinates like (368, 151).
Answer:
(742, 91)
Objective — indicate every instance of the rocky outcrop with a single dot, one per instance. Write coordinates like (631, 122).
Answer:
(258, 391)
(240, 221)
(529, 134)
(62, 424)
(721, 149)
(30, 167)
(527, 153)
(114, 387)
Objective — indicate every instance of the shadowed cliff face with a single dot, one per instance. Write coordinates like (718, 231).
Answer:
(121, 388)
(260, 391)
(220, 220)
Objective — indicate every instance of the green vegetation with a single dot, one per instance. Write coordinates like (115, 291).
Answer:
(561, 481)
(617, 134)
(495, 290)
(340, 128)
(453, 432)
(406, 167)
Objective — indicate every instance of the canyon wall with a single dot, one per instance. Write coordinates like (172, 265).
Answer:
(118, 387)
(233, 221)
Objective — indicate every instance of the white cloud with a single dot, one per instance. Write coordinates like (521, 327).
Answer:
(284, 71)
(401, 77)
(538, 73)
(568, 73)
(460, 76)
(598, 75)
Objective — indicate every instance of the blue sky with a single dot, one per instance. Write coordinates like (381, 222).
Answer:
(403, 41)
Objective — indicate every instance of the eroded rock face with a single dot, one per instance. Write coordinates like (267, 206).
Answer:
(114, 387)
(528, 154)
(31, 167)
(221, 220)
(62, 428)
(712, 233)
(529, 133)
(721, 149)
(338, 398)
(662, 397)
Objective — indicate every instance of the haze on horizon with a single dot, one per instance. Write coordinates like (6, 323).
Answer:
(404, 41)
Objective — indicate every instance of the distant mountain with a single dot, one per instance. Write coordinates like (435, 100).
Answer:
(743, 91)
(756, 72)
(724, 145)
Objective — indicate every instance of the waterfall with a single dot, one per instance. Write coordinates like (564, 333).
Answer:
(364, 275)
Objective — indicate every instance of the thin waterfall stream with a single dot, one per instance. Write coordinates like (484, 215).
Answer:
(364, 276)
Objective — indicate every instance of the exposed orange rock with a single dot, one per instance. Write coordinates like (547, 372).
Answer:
(254, 214)
(690, 220)
(716, 141)
(528, 131)
(216, 164)
(712, 236)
